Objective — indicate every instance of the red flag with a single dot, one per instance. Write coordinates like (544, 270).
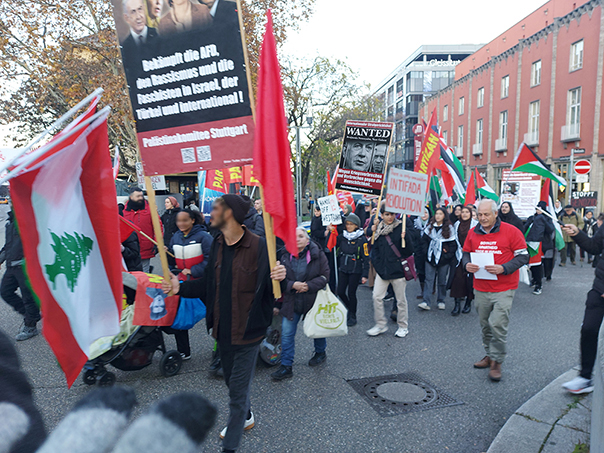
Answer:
(215, 180)
(333, 239)
(249, 177)
(233, 175)
(470, 191)
(272, 153)
(430, 152)
(545, 190)
(331, 187)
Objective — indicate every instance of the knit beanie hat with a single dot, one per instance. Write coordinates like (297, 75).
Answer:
(239, 205)
(542, 205)
(354, 219)
(174, 202)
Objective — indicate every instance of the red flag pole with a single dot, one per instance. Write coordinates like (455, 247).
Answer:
(142, 233)
(271, 240)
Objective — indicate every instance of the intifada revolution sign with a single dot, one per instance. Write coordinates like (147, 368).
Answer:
(188, 85)
(364, 157)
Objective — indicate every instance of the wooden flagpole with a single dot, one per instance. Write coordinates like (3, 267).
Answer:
(142, 233)
(159, 237)
(271, 240)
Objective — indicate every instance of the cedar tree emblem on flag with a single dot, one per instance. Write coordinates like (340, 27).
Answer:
(71, 252)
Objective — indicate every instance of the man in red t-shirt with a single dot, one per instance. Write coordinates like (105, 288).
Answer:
(494, 298)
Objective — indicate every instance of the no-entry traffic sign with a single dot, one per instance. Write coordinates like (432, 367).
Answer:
(582, 167)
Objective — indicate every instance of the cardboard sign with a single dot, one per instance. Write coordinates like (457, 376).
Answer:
(584, 199)
(522, 190)
(188, 85)
(406, 191)
(330, 210)
(364, 157)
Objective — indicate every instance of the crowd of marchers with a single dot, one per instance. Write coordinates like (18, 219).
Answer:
(224, 262)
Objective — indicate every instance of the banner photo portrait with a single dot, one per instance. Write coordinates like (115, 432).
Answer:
(185, 68)
(364, 157)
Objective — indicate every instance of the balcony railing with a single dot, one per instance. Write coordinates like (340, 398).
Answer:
(477, 148)
(459, 151)
(531, 138)
(501, 144)
(571, 132)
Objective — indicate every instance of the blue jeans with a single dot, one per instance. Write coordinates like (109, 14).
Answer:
(288, 340)
(439, 274)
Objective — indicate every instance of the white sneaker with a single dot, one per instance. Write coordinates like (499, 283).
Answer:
(376, 330)
(249, 424)
(401, 333)
(579, 385)
(441, 306)
(424, 306)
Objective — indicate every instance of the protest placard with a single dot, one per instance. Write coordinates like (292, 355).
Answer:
(330, 210)
(188, 84)
(364, 157)
(521, 189)
(406, 191)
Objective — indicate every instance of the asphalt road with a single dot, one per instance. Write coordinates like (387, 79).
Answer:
(318, 411)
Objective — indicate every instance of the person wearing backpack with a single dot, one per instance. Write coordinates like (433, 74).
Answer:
(569, 217)
(353, 264)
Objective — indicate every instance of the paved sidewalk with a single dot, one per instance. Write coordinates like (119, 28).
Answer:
(552, 421)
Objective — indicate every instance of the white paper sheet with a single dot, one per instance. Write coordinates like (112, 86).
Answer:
(482, 260)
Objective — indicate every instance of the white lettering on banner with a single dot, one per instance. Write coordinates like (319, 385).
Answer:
(194, 136)
(330, 210)
(406, 191)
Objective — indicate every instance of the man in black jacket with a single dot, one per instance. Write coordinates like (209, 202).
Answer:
(386, 255)
(594, 311)
(236, 288)
(14, 278)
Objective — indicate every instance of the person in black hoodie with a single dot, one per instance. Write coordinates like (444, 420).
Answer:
(386, 255)
(594, 311)
(317, 230)
(353, 264)
(507, 215)
(539, 237)
(14, 278)
(253, 221)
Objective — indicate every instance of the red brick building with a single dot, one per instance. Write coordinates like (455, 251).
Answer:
(539, 82)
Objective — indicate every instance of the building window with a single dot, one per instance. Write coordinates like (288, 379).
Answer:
(503, 125)
(400, 84)
(459, 139)
(480, 98)
(573, 114)
(462, 105)
(415, 81)
(446, 136)
(445, 112)
(505, 86)
(536, 73)
(534, 108)
(479, 132)
(576, 56)
(391, 95)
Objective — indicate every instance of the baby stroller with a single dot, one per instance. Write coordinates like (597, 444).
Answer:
(133, 349)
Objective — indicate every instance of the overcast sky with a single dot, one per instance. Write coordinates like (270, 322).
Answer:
(376, 36)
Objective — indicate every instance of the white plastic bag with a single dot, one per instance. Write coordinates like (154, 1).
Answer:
(327, 317)
(524, 275)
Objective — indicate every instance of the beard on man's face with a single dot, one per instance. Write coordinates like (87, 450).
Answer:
(136, 205)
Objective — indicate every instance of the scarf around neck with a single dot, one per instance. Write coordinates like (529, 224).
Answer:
(436, 244)
(385, 230)
(354, 235)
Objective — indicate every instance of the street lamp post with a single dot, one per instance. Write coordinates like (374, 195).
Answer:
(309, 120)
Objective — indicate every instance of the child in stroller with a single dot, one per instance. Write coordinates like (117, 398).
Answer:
(132, 349)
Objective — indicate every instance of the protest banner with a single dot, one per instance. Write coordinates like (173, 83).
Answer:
(406, 191)
(584, 199)
(364, 157)
(158, 182)
(521, 189)
(188, 84)
(330, 210)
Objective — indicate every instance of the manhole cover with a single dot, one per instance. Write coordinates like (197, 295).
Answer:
(401, 393)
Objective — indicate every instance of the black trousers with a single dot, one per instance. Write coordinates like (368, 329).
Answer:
(537, 274)
(594, 313)
(25, 304)
(349, 282)
(548, 267)
(182, 339)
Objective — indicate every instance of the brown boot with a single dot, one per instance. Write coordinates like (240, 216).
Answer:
(495, 373)
(485, 362)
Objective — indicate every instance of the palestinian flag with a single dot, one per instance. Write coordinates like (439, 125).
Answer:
(527, 161)
(484, 189)
(548, 198)
(65, 205)
(455, 170)
(471, 191)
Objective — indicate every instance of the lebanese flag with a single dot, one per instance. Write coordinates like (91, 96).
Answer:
(66, 210)
(527, 161)
(484, 189)
(272, 152)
